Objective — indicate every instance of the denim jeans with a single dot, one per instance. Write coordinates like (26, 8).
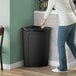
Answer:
(65, 35)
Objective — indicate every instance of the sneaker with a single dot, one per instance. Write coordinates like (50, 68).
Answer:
(57, 70)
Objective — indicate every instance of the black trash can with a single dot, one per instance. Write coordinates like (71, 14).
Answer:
(36, 42)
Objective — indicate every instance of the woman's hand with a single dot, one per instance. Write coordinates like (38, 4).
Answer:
(42, 23)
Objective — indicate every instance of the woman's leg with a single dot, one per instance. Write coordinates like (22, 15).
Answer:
(70, 41)
(63, 33)
(62, 36)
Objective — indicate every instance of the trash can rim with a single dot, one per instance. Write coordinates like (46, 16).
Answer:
(36, 28)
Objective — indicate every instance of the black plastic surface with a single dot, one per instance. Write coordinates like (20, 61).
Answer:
(36, 42)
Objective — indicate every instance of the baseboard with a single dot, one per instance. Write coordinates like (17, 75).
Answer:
(53, 63)
(6, 66)
(56, 63)
(17, 64)
(12, 66)
(72, 64)
(20, 63)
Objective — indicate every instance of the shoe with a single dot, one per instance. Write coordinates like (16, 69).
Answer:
(57, 70)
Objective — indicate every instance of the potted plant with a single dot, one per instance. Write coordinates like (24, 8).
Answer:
(43, 4)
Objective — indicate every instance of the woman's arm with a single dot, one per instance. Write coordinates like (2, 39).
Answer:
(72, 7)
(51, 4)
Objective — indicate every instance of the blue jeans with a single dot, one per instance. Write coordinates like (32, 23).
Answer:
(65, 34)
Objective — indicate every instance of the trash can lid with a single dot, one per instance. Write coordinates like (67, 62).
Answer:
(36, 28)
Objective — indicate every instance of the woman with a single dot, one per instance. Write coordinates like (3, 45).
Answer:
(67, 23)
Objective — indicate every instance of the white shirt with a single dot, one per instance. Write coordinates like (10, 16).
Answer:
(63, 8)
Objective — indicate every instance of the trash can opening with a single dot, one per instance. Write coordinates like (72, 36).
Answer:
(36, 28)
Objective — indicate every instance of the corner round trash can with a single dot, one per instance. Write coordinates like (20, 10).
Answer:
(36, 43)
